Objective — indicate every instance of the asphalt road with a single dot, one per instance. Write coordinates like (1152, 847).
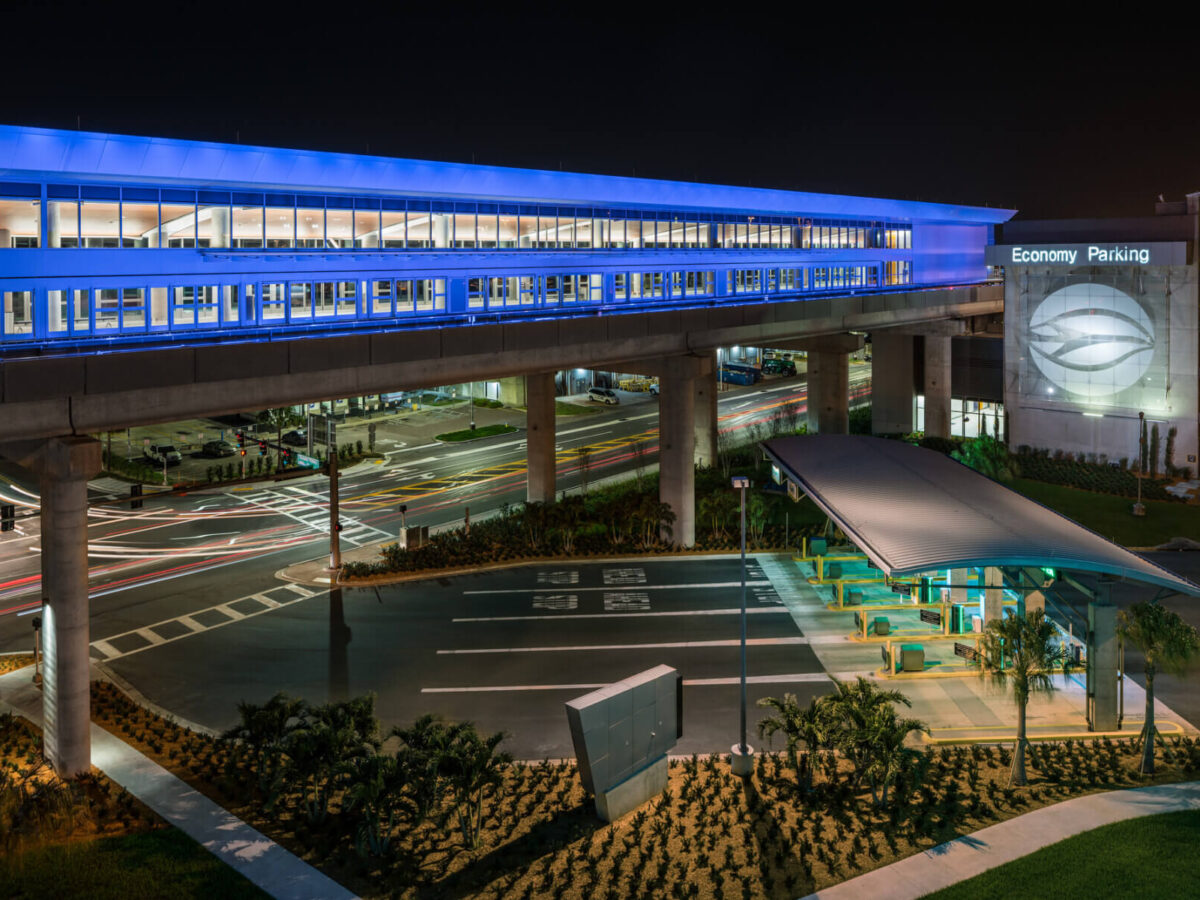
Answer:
(184, 553)
(505, 649)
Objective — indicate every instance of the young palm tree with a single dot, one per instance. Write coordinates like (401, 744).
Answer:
(1166, 642)
(265, 730)
(1022, 651)
(808, 727)
(889, 757)
(472, 766)
(854, 708)
(374, 794)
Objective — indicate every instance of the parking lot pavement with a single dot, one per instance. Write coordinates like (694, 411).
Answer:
(505, 649)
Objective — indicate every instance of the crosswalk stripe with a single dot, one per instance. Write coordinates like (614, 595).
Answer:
(668, 645)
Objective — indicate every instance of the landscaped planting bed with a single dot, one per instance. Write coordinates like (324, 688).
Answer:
(708, 835)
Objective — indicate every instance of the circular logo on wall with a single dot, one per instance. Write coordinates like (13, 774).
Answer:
(1091, 340)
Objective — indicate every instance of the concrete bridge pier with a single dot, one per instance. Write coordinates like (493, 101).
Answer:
(706, 427)
(937, 385)
(828, 379)
(63, 466)
(539, 437)
(892, 392)
(677, 428)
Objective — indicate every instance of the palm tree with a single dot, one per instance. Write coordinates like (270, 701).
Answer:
(265, 730)
(889, 756)
(808, 727)
(854, 708)
(423, 756)
(1022, 651)
(326, 743)
(472, 766)
(376, 784)
(1166, 642)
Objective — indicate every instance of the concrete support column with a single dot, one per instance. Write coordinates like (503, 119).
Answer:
(828, 391)
(220, 227)
(539, 437)
(1102, 661)
(676, 447)
(440, 229)
(706, 416)
(891, 383)
(513, 390)
(993, 595)
(937, 385)
(5, 238)
(158, 306)
(958, 583)
(64, 466)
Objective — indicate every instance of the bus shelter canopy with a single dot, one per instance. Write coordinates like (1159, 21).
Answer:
(914, 510)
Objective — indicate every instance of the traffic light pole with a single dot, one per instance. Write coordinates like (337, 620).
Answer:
(335, 540)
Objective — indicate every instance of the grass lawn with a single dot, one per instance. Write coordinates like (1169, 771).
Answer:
(468, 434)
(574, 409)
(1110, 516)
(161, 863)
(1150, 857)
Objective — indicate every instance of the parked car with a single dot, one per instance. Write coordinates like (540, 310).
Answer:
(217, 449)
(603, 395)
(654, 388)
(158, 453)
(778, 367)
(298, 438)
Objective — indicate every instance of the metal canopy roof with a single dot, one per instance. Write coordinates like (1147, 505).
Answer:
(915, 510)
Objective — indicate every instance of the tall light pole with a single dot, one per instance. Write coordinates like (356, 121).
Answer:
(742, 754)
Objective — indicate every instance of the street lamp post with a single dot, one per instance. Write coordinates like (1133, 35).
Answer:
(742, 754)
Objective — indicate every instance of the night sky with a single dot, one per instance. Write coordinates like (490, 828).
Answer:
(1010, 109)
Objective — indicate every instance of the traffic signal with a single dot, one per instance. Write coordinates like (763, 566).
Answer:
(8, 517)
(337, 527)
(241, 439)
(262, 448)
(243, 451)
(286, 457)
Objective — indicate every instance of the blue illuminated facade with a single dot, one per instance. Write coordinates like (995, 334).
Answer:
(116, 239)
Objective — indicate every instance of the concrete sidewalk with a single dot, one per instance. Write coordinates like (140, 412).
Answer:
(264, 862)
(967, 856)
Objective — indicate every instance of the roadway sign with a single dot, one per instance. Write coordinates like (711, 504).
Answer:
(930, 617)
(307, 462)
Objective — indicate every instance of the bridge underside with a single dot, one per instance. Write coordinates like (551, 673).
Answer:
(47, 396)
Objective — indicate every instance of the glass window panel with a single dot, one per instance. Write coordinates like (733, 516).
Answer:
(301, 300)
(405, 295)
(508, 231)
(133, 309)
(553, 289)
(99, 220)
(339, 228)
(18, 312)
(139, 224)
(310, 228)
(420, 230)
(280, 226)
(486, 234)
(477, 287)
(439, 225)
(528, 286)
(208, 309)
(178, 225)
(620, 286)
(183, 305)
(248, 227)
(213, 225)
(464, 230)
(366, 227)
(381, 297)
(20, 223)
(392, 230)
(274, 301)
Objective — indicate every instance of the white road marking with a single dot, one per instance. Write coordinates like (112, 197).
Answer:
(668, 645)
(805, 677)
(189, 622)
(644, 587)
(106, 648)
(151, 636)
(733, 611)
